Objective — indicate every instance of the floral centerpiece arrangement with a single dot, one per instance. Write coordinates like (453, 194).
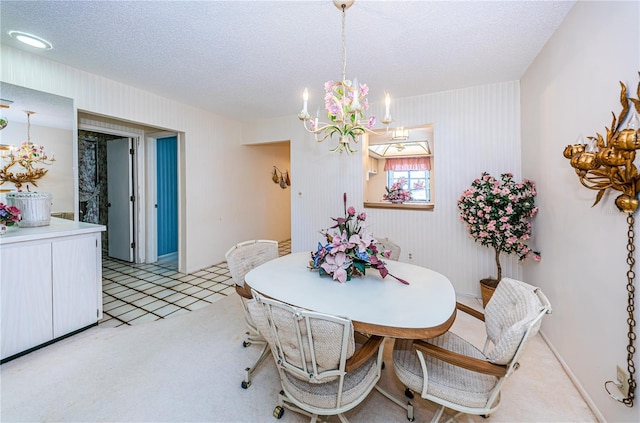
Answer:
(397, 193)
(349, 249)
(497, 213)
(9, 216)
(345, 103)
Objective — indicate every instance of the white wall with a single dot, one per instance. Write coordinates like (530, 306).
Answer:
(475, 129)
(571, 89)
(213, 151)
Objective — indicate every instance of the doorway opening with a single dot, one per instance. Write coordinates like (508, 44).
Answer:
(118, 187)
(105, 189)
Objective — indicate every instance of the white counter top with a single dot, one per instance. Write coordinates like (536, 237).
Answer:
(57, 228)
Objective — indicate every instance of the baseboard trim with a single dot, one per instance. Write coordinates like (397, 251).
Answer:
(574, 380)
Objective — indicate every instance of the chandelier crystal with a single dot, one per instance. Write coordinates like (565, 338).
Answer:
(345, 103)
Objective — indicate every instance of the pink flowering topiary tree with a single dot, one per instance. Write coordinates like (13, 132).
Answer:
(497, 214)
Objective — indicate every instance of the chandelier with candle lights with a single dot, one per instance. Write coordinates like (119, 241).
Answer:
(26, 156)
(345, 103)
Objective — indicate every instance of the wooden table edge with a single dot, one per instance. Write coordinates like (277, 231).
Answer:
(405, 333)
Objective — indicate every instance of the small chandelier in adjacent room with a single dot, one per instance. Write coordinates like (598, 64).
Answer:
(400, 134)
(27, 156)
(345, 103)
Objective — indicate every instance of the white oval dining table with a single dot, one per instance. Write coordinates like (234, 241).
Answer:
(423, 309)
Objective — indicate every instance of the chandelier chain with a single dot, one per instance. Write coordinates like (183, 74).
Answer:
(29, 126)
(628, 401)
(344, 43)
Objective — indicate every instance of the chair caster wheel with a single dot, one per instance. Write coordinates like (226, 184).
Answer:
(278, 412)
(246, 344)
(408, 393)
(411, 419)
(245, 384)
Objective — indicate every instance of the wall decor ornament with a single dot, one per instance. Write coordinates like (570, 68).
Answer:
(608, 163)
(281, 178)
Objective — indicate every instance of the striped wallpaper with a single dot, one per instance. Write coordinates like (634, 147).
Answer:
(475, 129)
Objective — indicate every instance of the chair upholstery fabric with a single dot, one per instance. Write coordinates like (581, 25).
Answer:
(247, 255)
(325, 333)
(310, 350)
(446, 381)
(507, 317)
(512, 317)
(241, 258)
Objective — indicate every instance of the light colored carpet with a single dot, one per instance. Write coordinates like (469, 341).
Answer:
(188, 369)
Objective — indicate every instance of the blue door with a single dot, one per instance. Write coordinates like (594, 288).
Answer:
(167, 195)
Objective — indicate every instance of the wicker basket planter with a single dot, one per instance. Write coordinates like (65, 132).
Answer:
(487, 287)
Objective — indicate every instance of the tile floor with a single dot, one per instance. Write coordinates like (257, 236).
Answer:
(139, 293)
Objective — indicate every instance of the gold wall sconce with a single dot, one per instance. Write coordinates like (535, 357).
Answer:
(27, 156)
(281, 178)
(608, 163)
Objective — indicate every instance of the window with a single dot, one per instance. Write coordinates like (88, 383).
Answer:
(418, 182)
(406, 161)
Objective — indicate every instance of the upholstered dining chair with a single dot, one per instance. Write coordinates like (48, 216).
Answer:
(386, 244)
(322, 370)
(241, 258)
(452, 372)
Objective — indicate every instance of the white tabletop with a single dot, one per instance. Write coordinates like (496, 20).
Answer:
(424, 308)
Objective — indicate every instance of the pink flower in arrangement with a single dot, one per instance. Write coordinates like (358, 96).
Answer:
(334, 265)
(361, 242)
(362, 216)
(351, 211)
(338, 242)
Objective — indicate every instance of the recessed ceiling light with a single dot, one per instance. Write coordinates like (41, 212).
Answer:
(31, 40)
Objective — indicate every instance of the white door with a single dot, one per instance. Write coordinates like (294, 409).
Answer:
(120, 199)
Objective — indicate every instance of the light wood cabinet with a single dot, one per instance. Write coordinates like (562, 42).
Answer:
(50, 283)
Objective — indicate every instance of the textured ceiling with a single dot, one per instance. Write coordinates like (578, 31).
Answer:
(252, 59)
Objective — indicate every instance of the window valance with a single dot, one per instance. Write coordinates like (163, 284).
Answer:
(408, 163)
